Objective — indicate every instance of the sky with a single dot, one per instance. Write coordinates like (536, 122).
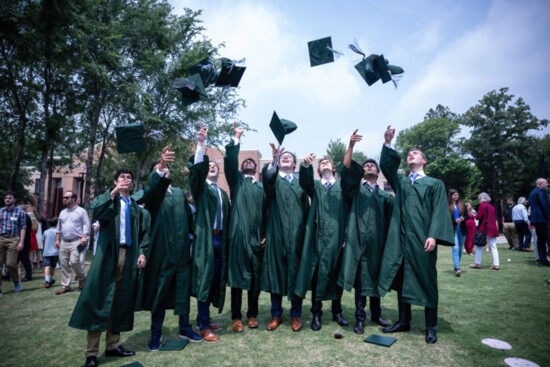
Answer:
(453, 53)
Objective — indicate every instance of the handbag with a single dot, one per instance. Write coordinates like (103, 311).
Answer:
(480, 238)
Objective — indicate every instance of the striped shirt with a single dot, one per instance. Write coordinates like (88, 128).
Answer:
(12, 221)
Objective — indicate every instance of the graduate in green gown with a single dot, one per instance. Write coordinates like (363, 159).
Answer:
(246, 231)
(366, 233)
(110, 294)
(167, 279)
(287, 206)
(209, 274)
(323, 240)
(420, 221)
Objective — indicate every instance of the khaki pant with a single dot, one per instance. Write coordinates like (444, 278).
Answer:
(509, 231)
(8, 256)
(112, 339)
(69, 257)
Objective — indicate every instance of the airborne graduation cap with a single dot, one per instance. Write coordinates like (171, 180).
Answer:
(206, 70)
(130, 138)
(191, 88)
(376, 67)
(321, 51)
(281, 127)
(231, 73)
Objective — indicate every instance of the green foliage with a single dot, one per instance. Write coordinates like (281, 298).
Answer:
(336, 151)
(501, 145)
(457, 173)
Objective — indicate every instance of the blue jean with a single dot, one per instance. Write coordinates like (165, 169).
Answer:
(277, 305)
(157, 320)
(457, 248)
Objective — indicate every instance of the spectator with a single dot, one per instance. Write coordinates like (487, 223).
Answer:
(521, 221)
(486, 217)
(508, 226)
(51, 253)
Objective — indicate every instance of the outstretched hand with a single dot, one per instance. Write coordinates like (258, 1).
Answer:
(202, 134)
(237, 130)
(389, 134)
(354, 138)
(276, 151)
(308, 159)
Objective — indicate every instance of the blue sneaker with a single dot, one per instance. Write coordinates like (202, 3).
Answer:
(17, 287)
(191, 336)
(154, 343)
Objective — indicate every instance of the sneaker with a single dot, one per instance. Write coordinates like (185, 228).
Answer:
(191, 336)
(17, 287)
(475, 266)
(47, 284)
(458, 272)
(494, 267)
(154, 343)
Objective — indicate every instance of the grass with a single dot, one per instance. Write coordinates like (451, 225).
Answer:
(511, 305)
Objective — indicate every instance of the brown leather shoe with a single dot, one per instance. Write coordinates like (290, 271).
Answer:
(215, 327)
(296, 324)
(253, 323)
(274, 323)
(237, 326)
(209, 336)
(62, 290)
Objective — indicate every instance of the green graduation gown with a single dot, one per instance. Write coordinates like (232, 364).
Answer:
(366, 231)
(98, 302)
(206, 201)
(420, 211)
(324, 238)
(246, 227)
(167, 277)
(287, 206)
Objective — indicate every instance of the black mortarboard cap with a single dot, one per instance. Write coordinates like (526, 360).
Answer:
(320, 51)
(191, 88)
(171, 345)
(206, 70)
(130, 138)
(366, 69)
(385, 341)
(381, 65)
(281, 127)
(230, 73)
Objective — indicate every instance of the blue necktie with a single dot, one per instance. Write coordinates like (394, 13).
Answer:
(218, 219)
(328, 185)
(128, 222)
(413, 176)
(288, 178)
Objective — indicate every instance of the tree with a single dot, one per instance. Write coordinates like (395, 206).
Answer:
(336, 151)
(436, 136)
(500, 143)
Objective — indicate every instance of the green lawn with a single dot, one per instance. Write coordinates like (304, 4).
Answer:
(512, 304)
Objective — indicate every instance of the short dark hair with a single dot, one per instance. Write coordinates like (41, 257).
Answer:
(249, 159)
(52, 222)
(121, 171)
(11, 193)
(370, 160)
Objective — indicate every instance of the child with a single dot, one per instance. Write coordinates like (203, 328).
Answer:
(51, 254)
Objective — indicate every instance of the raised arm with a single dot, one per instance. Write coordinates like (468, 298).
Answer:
(353, 139)
(307, 182)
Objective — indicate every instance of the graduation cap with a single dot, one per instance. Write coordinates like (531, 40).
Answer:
(385, 341)
(321, 52)
(130, 138)
(376, 67)
(191, 88)
(281, 127)
(230, 74)
(206, 70)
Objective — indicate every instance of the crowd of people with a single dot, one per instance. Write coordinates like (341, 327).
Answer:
(521, 222)
(285, 235)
